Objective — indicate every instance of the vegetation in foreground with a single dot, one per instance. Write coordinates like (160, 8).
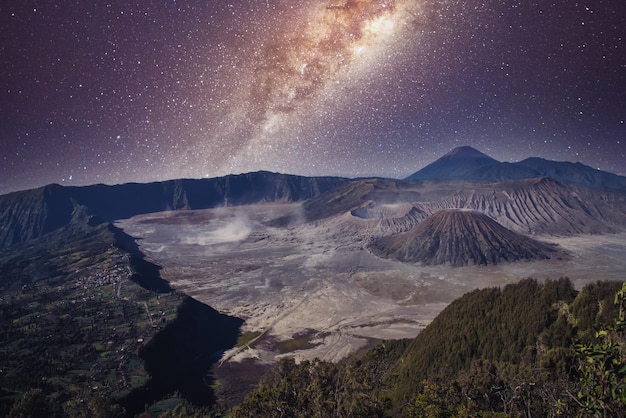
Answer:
(526, 350)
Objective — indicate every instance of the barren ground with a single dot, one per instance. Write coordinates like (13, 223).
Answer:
(315, 291)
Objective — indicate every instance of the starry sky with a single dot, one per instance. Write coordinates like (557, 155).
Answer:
(121, 91)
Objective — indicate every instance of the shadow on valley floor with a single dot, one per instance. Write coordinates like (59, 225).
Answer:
(180, 357)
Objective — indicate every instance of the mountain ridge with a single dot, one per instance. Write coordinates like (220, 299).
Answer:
(467, 163)
(29, 214)
(32, 213)
(532, 206)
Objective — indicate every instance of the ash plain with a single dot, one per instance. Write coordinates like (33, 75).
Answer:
(315, 290)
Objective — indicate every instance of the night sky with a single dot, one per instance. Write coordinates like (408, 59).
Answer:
(112, 92)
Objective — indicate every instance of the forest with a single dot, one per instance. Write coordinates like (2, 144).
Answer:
(526, 350)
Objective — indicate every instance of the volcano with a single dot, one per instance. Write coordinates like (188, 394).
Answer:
(461, 163)
(458, 238)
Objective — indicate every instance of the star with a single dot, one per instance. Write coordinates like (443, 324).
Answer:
(140, 92)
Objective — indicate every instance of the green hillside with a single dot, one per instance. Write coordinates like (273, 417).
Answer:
(528, 349)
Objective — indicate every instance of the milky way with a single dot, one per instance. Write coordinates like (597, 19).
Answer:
(312, 60)
(127, 91)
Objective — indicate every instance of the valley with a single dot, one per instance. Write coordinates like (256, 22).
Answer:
(311, 290)
(280, 267)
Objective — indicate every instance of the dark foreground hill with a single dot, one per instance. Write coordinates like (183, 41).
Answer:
(89, 328)
(459, 238)
(525, 350)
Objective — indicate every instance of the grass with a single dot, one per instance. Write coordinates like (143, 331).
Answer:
(246, 338)
(98, 346)
(296, 343)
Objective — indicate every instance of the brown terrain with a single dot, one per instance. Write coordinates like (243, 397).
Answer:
(309, 279)
(459, 238)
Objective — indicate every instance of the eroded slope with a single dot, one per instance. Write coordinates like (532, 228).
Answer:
(460, 238)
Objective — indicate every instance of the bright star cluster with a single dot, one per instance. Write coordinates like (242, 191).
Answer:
(112, 92)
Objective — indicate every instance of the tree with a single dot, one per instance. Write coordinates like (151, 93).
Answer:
(33, 404)
(602, 368)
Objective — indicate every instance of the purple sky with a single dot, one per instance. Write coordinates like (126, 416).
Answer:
(142, 91)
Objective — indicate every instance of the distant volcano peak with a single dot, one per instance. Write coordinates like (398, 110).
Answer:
(460, 163)
(466, 152)
(467, 163)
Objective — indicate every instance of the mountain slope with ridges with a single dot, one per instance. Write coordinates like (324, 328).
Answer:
(27, 215)
(30, 214)
(460, 238)
(541, 206)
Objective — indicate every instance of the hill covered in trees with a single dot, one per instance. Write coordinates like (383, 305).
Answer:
(527, 349)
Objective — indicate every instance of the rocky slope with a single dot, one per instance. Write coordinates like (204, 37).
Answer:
(460, 238)
(541, 206)
(29, 214)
